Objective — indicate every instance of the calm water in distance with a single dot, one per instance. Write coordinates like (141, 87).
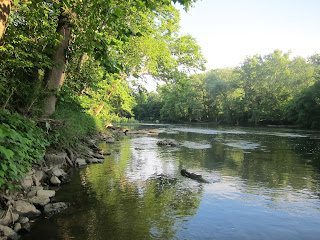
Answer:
(264, 184)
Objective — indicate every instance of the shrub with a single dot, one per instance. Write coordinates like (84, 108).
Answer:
(22, 144)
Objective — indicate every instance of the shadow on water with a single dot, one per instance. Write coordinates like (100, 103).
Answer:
(264, 184)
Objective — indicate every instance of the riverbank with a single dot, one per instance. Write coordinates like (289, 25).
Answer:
(36, 199)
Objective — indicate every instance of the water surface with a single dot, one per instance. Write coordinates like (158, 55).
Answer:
(264, 184)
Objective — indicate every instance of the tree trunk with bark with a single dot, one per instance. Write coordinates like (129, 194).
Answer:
(5, 8)
(55, 76)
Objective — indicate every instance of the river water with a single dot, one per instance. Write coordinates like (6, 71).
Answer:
(264, 183)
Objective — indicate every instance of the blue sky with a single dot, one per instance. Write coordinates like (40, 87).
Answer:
(230, 30)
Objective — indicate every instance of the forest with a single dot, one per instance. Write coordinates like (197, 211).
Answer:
(67, 67)
(271, 89)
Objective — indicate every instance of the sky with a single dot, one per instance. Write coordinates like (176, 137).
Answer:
(230, 30)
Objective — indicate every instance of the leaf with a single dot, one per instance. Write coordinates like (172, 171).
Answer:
(4, 167)
(7, 152)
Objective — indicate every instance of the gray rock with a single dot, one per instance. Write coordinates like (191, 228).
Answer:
(24, 220)
(8, 232)
(80, 162)
(37, 177)
(55, 159)
(110, 140)
(27, 182)
(55, 181)
(9, 218)
(54, 208)
(17, 227)
(26, 209)
(57, 172)
(48, 193)
(95, 160)
(40, 200)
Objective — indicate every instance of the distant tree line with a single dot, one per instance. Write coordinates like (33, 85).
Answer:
(271, 89)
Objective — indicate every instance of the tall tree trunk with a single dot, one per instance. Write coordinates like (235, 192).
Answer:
(55, 76)
(5, 7)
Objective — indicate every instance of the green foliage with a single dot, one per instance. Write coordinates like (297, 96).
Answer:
(22, 144)
(304, 109)
(25, 53)
(263, 90)
(74, 124)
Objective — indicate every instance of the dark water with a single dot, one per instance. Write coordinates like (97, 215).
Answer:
(264, 184)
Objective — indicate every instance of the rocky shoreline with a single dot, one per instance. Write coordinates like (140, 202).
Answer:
(36, 198)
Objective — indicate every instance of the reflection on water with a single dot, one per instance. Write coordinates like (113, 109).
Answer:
(264, 184)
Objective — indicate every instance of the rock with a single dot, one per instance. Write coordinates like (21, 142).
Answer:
(110, 140)
(193, 176)
(98, 155)
(40, 200)
(24, 220)
(17, 227)
(57, 172)
(26, 209)
(37, 177)
(95, 160)
(54, 208)
(27, 183)
(167, 142)
(55, 159)
(80, 162)
(47, 193)
(8, 232)
(33, 191)
(55, 181)
(9, 218)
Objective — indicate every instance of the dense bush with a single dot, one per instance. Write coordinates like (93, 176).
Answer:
(22, 144)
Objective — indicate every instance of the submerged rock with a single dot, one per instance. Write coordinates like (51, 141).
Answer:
(54, 208)
(167, 142)
(193, 176)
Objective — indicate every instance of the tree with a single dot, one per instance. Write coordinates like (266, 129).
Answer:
(5, 8)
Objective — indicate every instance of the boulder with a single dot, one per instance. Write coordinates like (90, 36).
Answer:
(37, 177)
(47, 193)
(80, 162)
(95, 160)
(54, 208)
(27, 183)
(40, 200)
(55, 159)
(17, 227)
(33, 191)
(26, 209)
(9, 233)
(55, 181)
(110, 140)
(9, 218)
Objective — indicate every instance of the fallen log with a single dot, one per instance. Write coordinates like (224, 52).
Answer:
(193, 176)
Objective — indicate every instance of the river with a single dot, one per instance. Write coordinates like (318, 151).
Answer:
(264, 183)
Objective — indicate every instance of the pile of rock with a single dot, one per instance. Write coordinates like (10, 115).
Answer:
(16, 210)
(21, 208)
